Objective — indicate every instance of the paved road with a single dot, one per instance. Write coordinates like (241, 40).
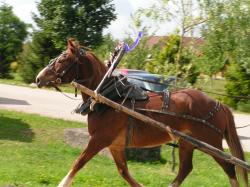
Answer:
(39, 101)
(54, 104)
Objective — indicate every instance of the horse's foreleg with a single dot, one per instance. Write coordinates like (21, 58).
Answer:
(185, 158)
(119, 158)
(94, 146)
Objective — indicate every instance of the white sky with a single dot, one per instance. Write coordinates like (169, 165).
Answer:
(124, 8)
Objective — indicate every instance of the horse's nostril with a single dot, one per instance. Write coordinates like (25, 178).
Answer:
(37, 80)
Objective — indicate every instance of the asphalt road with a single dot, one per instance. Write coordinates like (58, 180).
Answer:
(54, 104)
(39, 101)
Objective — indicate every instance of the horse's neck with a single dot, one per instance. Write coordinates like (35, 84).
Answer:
(98, 71)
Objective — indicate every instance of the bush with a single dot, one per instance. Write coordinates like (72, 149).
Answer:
(243, 106)
(13, 66)
(238, 83)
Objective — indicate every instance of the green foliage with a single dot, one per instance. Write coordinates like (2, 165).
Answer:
(83, 20)
(13, 66)
(238, 82)
(170, 62)
(35, 56)
(108, 45)
(219, 39)
(58, 20)
(137, 59)
(12, 34)
(227, 35)
(243, 106)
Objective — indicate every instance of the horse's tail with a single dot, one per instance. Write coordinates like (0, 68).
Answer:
(234, 144)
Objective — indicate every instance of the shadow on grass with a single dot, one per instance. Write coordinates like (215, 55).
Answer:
(15, 130)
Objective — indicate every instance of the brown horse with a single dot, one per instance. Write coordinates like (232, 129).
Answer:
(110, 128)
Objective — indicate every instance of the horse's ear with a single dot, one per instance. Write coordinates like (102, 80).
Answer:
(71, 46)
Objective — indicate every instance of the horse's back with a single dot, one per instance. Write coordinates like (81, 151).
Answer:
(191, 101)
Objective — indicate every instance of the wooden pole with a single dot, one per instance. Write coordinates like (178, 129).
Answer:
(161, 126)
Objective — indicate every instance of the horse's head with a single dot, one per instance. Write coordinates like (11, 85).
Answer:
(65, 67)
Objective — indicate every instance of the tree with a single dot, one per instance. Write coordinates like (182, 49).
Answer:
(108, 45)
(58, 20)
(186, 14)
(227, 36)
(36, 55)
(83, 20)
(139, 56)
(12, 34)
(166, 61)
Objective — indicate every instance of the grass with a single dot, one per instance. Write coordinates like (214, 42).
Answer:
(210, 86)
(13, 82)
(33, 154)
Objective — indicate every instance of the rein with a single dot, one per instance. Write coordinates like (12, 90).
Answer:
(59, 90)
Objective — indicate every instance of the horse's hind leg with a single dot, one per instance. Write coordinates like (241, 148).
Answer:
(94, 146)
(119, 158)
(185, 158)
(228, 168)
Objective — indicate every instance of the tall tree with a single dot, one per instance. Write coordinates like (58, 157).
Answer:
(103, 51)
(58, 20)
(12, 34)
(186, 15)
(227, 35)
(83, 20)
(35, 55)
(166, 61)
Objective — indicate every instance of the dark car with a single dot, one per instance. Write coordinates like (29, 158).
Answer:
(147, 80)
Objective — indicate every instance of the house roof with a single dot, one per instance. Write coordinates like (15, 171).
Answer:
(187, 41)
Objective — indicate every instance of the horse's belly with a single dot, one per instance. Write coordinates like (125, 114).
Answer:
(144, 135)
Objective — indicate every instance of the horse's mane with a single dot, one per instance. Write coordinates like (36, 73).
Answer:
(98, 67)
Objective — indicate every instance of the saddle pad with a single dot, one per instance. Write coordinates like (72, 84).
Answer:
(114, 88)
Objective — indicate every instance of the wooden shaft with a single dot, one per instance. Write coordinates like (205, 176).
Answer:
(197, 143)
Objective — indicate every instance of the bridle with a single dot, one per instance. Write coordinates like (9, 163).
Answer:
(60, 75)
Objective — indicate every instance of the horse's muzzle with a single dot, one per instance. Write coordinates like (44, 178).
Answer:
(41, 78)
(38, 82)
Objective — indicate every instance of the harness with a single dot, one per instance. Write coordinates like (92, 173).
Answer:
(165, 104)
(186, 116)
(61, 75)
(115, 88)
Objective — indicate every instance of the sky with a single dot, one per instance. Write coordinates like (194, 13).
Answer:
(124, 8)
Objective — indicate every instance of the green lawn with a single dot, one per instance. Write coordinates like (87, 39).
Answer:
(33, 154)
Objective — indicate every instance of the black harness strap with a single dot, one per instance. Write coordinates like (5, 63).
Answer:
(165, 100)
(129, 135)
(183, 116)
(213, 111)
